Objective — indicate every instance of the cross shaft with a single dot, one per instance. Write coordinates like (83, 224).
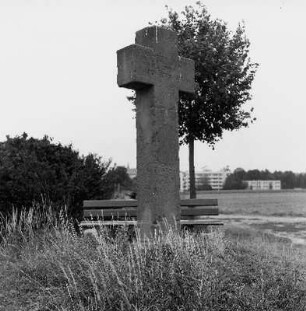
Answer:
(153, 68)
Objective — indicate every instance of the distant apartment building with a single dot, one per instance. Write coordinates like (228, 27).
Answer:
(214, 179)
(264, 184)
(206, 177)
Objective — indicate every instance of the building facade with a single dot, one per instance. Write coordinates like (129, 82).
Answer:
(206, 177)
(203, 179)
(264, 184)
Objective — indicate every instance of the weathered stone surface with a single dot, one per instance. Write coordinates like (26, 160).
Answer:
(153, 68)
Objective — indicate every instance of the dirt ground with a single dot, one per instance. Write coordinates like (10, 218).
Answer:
(293, 228)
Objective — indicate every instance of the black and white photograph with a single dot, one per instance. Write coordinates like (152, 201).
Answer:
(152, 155)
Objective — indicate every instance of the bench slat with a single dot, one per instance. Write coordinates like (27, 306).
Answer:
(109, 203)
(208, 221)
(87, 204)
(108, 223)
(132, 212)
(110, 212)
(199, 202)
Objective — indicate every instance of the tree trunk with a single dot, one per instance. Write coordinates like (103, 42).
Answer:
(192, 187)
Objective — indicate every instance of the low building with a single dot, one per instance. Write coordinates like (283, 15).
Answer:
(264, 184)
(204, 178)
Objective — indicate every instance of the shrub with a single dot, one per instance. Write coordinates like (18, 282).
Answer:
(36, 170)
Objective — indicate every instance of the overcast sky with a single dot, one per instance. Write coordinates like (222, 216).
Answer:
(58, 77)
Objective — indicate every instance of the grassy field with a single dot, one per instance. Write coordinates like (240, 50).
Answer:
(46, 265)
(282, 213)
(268, 203)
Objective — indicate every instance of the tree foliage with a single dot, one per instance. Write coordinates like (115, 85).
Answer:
(235, 180)
(32, 170)
(116, 180)
(223, 73)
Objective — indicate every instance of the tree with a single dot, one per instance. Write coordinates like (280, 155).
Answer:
(235, 181)
(115, 180)
(289, 180)
(301, 181)
(254, 175)
(32, 170)
(223, 74)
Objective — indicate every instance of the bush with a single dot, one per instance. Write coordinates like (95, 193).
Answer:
(36, 170)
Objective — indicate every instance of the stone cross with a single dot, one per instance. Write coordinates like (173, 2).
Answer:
(153, 68)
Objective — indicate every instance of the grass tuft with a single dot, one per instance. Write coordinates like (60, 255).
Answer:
(46, 265)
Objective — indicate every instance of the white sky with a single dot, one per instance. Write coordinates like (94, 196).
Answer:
(58, 77)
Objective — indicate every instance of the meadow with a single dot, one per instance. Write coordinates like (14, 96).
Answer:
(267, 203)
(47, 265)
(281, 213)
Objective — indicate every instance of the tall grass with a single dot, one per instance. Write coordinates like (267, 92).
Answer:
(46, 265)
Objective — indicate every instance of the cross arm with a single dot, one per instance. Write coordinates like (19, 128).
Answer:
(134, 63)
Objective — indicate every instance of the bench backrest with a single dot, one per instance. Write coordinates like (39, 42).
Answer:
(128, 208)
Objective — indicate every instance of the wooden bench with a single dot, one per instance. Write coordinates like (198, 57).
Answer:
(194, 213)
